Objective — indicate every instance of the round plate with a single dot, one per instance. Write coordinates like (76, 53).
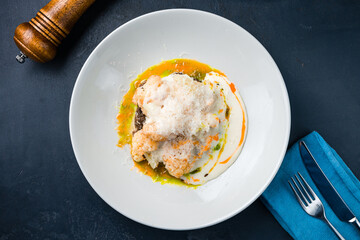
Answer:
(141, 43)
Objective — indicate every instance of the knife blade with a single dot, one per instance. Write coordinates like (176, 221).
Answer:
(325, 187)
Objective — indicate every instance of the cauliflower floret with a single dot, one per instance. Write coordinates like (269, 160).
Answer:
(140, 145)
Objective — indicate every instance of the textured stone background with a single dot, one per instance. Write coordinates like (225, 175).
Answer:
(43, 194)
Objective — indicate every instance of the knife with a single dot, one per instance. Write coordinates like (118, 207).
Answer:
(325, 187)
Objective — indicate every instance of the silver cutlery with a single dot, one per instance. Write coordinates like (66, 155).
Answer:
(311, 204)
(327, 190)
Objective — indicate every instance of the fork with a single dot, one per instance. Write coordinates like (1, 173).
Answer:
(312, 205)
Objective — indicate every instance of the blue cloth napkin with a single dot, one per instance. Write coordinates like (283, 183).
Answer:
(281, 202)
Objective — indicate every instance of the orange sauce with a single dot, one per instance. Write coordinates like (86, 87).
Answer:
(195, 179)
(232, 87)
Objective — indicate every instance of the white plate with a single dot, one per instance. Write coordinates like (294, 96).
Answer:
(146, 41)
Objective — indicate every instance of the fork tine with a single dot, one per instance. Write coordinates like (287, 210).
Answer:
(306, 191)
(297, 196)
(297, 187)
(310, 189)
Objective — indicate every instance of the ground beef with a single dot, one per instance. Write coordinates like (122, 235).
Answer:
(139, 119)
(139, 115)
(142, 83)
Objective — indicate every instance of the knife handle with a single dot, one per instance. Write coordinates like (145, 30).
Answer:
(356, 223)
(39, 38)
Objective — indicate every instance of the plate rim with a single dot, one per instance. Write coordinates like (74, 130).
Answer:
(287, 113)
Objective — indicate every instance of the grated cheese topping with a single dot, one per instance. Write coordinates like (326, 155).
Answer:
(179, 106)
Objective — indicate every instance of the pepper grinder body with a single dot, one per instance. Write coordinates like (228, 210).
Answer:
(39, 38)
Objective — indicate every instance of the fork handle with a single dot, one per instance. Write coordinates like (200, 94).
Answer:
(334, 229)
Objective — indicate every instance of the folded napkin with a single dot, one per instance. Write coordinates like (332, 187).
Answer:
(281, 201)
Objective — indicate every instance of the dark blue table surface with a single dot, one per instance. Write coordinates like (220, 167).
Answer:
(43, 194)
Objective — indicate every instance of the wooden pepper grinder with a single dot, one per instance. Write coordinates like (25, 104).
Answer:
(39, 38)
